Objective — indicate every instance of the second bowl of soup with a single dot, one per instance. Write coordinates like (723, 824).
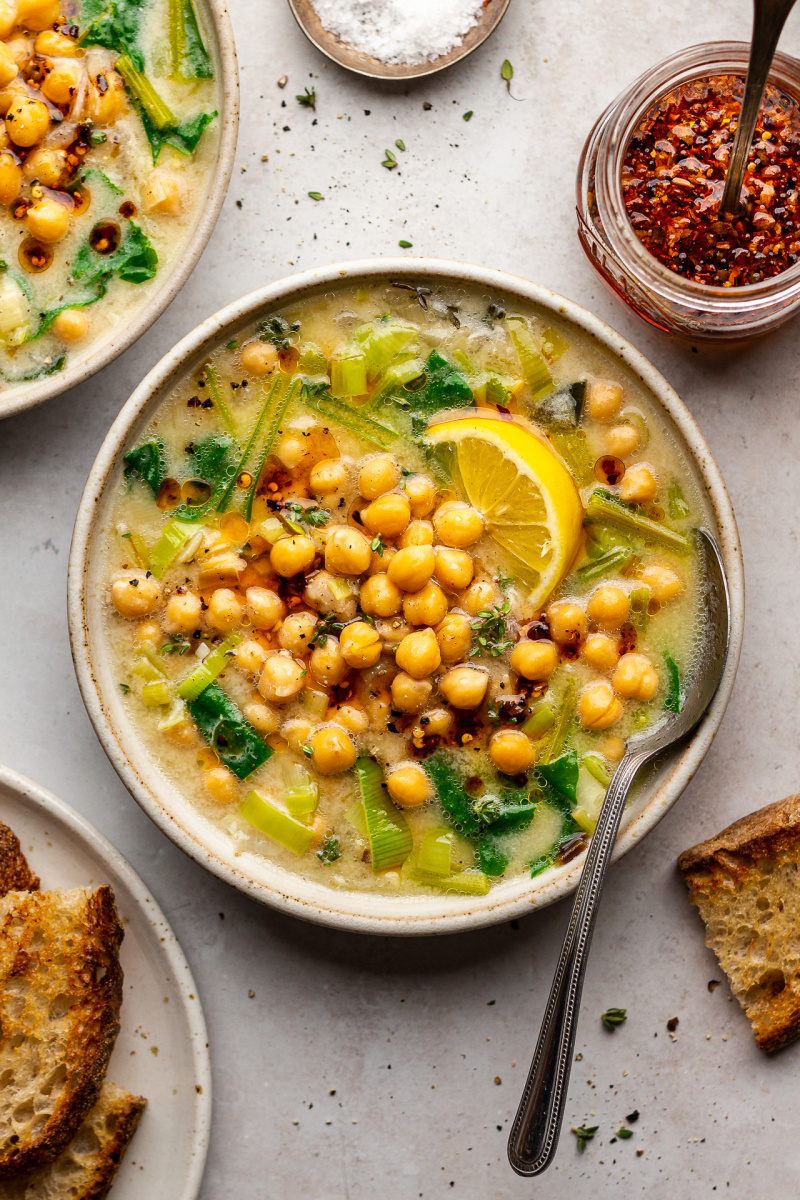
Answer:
(375, 576)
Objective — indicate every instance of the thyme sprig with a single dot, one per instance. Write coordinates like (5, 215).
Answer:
(308, 99)
(490, 632)
(329, 626)
(584, 1134)
(330, 851)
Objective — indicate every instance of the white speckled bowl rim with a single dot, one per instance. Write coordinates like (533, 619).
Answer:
(20, 397)
(57, 828)
(368, 912)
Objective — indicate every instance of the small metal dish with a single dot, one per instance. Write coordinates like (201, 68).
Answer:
(356, 60)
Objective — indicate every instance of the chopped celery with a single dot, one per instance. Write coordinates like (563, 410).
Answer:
(604, 507)
(312, 361)
(639, 602)
(397, 376)
(561, 725)
(301, 802)
(315, 703)
(433, 856)
(174, 536)
(389, 835)
(674, 698)
(590, 794)
(143, 668)
(142, 90)
(534, 368)
(175, 717)
(348, 374)
(553, 344)
(189, 56)
(384, 340)
(677, 507)
(215, 391)
(271, 530)
(139, 549)
(357, 818)
(156, 692)
(597, 768)
(222, 725)
(360, 424)
(285, 830)
(211, 666)
(540, 720)
(340, 588)
(470, 883)
(574, 449)
(584, 819)
(614, 560)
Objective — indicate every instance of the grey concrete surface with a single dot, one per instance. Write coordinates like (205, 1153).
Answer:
(347, 1068)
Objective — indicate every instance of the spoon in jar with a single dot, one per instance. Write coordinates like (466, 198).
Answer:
(534, 1134)
(769, 17)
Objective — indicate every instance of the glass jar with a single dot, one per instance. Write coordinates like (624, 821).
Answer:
(667, 300)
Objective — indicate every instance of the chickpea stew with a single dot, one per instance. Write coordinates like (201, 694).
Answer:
(391, 578)
(110, 130)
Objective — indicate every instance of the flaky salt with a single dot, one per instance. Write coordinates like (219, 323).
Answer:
(400, 31)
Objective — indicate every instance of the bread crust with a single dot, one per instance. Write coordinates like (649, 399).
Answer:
(15, 874)
(732, 862)
(87, 971)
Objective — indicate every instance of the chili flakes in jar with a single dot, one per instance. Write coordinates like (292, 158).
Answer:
(673, 176)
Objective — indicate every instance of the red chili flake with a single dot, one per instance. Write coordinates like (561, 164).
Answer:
(673, 176)
(127, 209)
(105, 237)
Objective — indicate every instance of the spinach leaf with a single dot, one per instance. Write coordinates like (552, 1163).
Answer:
(453, 797)
(190, 58)
(493, 857)
(223, 726)
(183, 137)
(562, 774)
(117, 28)
(213, 460)
(513, 816)
(563, 407)
(445, 387)
(37, 372)
(149, 461)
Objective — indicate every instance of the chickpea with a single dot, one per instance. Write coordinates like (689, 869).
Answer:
(264, 608)
(61, 84)
(378, 475)
(608, 606)
(604, 400)
(291, 555)
(10, 179)
(600, 652)
(409, 785)
(393, 631)
(105, 102)
(464, 687)
(388, 515)
(347, 552)
(52, 44)
(379, 563)
(360, 644)
(250, 657)
(333, 750)
(567, 622)
(622, 440)
(635, 677)
(598, 707)
(163, 194)
(296, 632)
(262, 717)
(613, 748)
(664, 582)
(281, 679)
(8, 67)
(296, 733)
(412, 567)
(380, 597)
(225, 610)
(327, 476)
(639, 485)
(48, 220)
(511, 751)
(148, 633)
(419, 533)
(457, 524)
(454, 568)
(27, 121)
(38, 14)
(438, 721)
(327, 663)
(319, 595)
(352, 718)
(135, 595)
(222, 785)
(258, 358)
(410, 695)
(421, 493)
(534, 660)
(21, 48)
(478, 596)
(378, 711)
(8, 19)
(418, 654)
(46, 165)
(428, 606)
(454, 636)
(184, 612)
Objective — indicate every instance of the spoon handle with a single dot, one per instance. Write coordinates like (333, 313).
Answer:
(534, 1134)
(769, 17)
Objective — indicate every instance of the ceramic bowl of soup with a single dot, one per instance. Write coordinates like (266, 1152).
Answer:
(374, 575)
(116, 148)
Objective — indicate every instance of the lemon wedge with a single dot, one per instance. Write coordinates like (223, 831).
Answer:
(527, 498)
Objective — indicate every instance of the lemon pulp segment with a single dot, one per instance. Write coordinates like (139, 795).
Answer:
(527, 498)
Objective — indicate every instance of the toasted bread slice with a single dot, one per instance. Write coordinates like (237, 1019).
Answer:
(60, 995)
(15, 874)
(746, 883)
(86, 1169)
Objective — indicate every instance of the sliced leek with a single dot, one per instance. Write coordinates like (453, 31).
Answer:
(285, 830)
(211, 666)
(390, 839)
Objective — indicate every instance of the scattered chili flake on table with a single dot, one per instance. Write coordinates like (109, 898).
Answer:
(673, 176)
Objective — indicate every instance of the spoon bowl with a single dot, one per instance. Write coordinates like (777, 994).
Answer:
(363, 64)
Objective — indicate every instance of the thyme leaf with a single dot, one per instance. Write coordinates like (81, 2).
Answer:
(584, 1134)
(308, 99)
(613, 1017)
(490, 632)
(390, 162)
(330, 850)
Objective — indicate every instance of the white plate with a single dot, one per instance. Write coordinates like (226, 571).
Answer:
(162, 1048)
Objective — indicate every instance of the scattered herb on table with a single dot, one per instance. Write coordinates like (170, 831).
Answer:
(584, 1134)
(315, 195)
(308, 99)
(390, 162)
(613, 1017)
(404, 244)
(467, 116)
(400, 144)
(624, 1133)
(507, 73)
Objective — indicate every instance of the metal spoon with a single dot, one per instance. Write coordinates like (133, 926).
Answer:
(769, 17)
(534, 1134)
